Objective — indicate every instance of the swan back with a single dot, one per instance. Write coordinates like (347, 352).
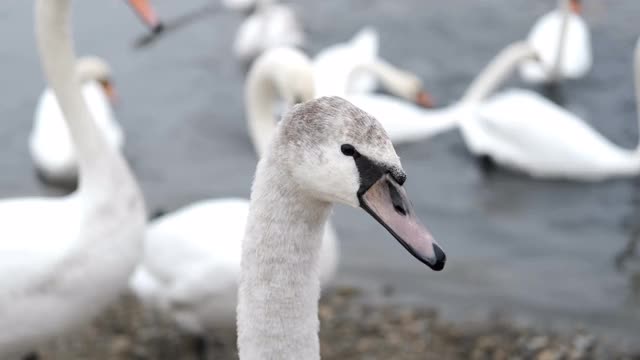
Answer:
(545, 139)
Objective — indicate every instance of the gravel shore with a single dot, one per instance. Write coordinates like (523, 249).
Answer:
(350, 329)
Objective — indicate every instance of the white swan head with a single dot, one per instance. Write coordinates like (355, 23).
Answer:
(336, 152)
(93, 68)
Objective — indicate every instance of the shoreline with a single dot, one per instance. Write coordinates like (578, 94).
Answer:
(350, 329)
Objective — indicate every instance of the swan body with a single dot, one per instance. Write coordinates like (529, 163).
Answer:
(524, 131)
(569, 51)
(324, 151)
(65, 259)
(50, 143)
(191, 264)
(271, 25)
(334, 68)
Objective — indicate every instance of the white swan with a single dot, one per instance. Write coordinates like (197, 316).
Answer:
(65, 259)
(406, 122)
(521, 130)
(50, 144)
(191, 261)
(324, 151)
(271, 25)
(563, 42)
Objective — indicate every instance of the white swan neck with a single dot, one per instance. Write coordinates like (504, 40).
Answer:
(395, 80)
(53, 33)
(279, 283)
(496, 72)
(261, 95)
(564, 8)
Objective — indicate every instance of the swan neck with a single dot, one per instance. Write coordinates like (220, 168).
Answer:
(279, 282)
(260, 99)
(565, 11)
(393, 79)
(497, 71)
(53, 33)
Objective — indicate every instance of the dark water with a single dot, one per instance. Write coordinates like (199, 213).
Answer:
(542, 251)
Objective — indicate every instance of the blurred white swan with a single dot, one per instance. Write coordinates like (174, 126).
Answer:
(271, 25)
(404, 121)
(191, 264)
(63, 260)
(563, 42)
(50, 143)
(521, 130)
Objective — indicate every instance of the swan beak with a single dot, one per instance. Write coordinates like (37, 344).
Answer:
(109, 90)
(575, 6)
(424, 100)
(148, 15)
(387, 202)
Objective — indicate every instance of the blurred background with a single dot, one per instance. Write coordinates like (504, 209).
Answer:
(541, 254)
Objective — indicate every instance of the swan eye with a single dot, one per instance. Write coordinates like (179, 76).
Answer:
(348, 150)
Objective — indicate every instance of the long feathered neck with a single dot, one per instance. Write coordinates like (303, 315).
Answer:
(261, 95)
(279, 283)
(564, 8)
(53, 33)
(497, 71)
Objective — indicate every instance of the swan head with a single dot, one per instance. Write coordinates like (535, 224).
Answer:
(413, 90)
(148, 15)
(406, 85)
(93, 68)
(335, 152)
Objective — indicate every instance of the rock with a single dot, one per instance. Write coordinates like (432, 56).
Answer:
(536, 343)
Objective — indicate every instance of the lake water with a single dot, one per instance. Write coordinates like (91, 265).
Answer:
(541, 251)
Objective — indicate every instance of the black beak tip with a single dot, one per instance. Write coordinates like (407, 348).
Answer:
(158, 29)
(440, 258)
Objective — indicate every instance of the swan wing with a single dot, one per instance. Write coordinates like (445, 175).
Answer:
(540, 133)
(201, 234)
